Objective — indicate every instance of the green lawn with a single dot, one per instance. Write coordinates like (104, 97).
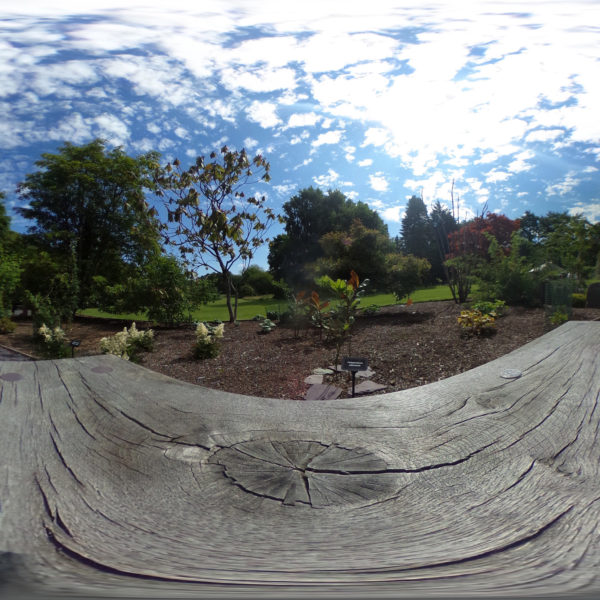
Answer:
(250, 307)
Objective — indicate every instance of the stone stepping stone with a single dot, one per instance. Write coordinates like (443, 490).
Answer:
(320, 371)
(322, 391)
(314, 379)
(368, 387)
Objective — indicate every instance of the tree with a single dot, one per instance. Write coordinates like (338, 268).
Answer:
(308, 216)
(471, 238)
(360, 249)
(426, 235)
(91, 201)
(210, 219)
(10, 265)
(162, 288)
(405, 273)
(416, 228)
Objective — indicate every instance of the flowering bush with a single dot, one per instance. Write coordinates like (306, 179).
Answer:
(127, 344)
(476, 322)
(53, 341)
(207, 340)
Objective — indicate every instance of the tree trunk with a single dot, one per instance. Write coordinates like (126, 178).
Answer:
(231, 294)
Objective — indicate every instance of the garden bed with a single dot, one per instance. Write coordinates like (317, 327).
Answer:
(405, 346)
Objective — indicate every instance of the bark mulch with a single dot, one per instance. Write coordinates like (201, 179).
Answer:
(406, 346)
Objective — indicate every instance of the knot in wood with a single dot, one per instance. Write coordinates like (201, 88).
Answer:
(306, 472)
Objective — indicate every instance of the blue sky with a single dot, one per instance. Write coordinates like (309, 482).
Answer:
(380, 99)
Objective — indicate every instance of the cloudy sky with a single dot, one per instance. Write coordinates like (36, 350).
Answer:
(380, 99)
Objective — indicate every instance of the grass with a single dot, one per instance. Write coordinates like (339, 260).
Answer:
(259, 305)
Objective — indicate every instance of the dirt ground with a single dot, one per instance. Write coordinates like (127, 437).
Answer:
(405, 347)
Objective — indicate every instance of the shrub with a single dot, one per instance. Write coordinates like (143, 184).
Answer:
(578, 300)
(475, 322)
(128, 344)
(496, 308)
(246, 290)
(296, 314)
(207, 340)
(6, 325)
(370, 310)
(558, 317)
(273, 315)
(266, 326)
(53, 342)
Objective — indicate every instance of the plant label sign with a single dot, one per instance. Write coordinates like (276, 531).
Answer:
(355, 364)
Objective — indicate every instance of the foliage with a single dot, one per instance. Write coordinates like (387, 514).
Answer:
(316, 312)
(405, 274)
(370, 310)
(308, 216)
(426, 235)
(207, 340)
(347, 294)
(246, 290)
(495, 308)
(90, 201)
(578, 300)
(53, 341)
(44, 312)
(461, 275)
(6, 325)
(266, 325)
(129, 343)
(10, 276)
(473, 238)
(295, 315)
(259, 280)
(358, 248)
(211, 220)
(474, 322)
(10, 264)
(162, 289)
(509, 276)
(558, 317)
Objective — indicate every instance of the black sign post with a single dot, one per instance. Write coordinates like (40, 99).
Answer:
(354, 365)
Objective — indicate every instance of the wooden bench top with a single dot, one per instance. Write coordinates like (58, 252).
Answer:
(114, 477)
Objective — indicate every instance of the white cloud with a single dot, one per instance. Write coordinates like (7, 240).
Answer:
(393, 214)
(377, 204)
(367, 162)
(565, 186)
(180, 132)
(285, 189)
(327, 180)
(250, 143)
(520, 163)
(330, 137)
(494, 176)
(112, 128)
(349, 150)
(544, 135)
(589, 210)
(303, 119)
(263, 113)
(259, 79)
(378, 182)
(375, 136)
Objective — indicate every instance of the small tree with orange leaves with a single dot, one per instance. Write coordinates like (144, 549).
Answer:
(338, 324)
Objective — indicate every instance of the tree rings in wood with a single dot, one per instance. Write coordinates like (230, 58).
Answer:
(306, 472)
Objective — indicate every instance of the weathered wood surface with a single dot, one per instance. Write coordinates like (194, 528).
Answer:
(115, 480)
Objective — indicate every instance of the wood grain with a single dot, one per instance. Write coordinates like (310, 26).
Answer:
(115, 480)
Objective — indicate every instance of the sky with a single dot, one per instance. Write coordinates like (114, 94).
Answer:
(381, 100)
